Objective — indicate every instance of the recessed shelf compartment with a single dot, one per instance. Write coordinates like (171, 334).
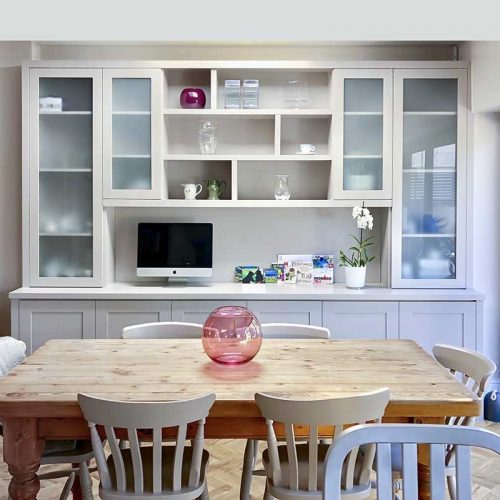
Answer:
(195, 172)
(178, 79)
(273, 86)
(66, 256)
(235, 135)
(307, 180)
(76, 94)
(297, 130)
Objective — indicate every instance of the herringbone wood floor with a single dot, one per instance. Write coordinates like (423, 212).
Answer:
(225, 469)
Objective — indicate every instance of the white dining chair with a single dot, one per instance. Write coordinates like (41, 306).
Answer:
(295, 470)
(294, 331)
(163, 330)
(474, 370)
(407, 437)
(274, 331)
(160, 471)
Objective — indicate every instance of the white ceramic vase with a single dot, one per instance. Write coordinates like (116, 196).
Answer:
(355, 277)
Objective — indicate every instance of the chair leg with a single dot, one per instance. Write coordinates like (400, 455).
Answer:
(204, 495)
(452, 487)
(267, 495)
(85, 481)
(76, 490)
(246, 473)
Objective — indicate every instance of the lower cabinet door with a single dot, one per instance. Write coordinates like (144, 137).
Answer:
(361, 320)
(43, 320)
(197, 311)
(303, 312)
(112, 316)
(430, 323)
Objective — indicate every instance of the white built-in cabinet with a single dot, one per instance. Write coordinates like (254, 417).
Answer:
(132, 145)
(430, 200)
(362, 144)
(65, 170)
(361, 320)
(303, 312)
(430, 323)
(43, 320)
(111, 316)
(197, 311)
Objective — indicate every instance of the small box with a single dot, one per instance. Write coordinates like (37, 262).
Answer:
(232, 94)
(250, 94)
(270, 275)
(50, 103)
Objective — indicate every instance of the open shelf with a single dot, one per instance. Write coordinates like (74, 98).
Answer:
(176, 80)
(235, 135)
(195, 172)
(297, 130)
(273, 91)
(249, 112)
(292, 157)
(65, 170)
(307, 180)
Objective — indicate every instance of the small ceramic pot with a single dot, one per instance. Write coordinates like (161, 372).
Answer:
(193, 98)
(355, 277)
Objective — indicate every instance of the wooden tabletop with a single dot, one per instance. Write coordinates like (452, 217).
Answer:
(47, 383)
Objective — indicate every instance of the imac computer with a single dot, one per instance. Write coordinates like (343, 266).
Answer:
(174, 250)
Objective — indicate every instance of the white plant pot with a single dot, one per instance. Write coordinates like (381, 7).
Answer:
(355, 277)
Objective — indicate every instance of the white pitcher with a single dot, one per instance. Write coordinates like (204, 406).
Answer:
(191, 191)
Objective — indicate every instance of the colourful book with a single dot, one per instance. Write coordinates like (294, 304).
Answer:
(323, 268)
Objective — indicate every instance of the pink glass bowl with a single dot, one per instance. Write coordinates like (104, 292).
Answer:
(232, 335)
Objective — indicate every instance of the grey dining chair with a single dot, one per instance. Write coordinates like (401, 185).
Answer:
(474, 370)
(163, 330)
(295, 470)
(160, 471)
(407, 437)
(274, 331)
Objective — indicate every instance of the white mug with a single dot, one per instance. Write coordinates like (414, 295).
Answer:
(307, 148)
(191, 191)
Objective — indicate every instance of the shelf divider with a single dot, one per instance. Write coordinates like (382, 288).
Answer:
(234, 180)
(277, 135)
(213, 89)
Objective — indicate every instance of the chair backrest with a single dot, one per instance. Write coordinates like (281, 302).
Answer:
(149, 416)
(472, 368)
(293, 331)
(163, 330)
(409, 436)
(335, 412)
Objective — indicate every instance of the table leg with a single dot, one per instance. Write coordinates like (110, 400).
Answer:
(22, 453)
(424, 470)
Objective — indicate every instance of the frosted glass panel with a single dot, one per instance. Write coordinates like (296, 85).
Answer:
(65, 141)
(429, 179)
(65, 180)
(131, 173)
(431, 95)
(362, 173)
(131, 135)
(363, 135)
(76, 93)
(363, 95)
(428, 258)
(131, 95)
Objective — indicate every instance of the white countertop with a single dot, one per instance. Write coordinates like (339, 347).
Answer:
(232, 291)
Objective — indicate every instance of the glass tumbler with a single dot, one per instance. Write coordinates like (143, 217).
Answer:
(207, 137)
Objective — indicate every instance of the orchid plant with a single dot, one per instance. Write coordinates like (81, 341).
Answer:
(359, 254)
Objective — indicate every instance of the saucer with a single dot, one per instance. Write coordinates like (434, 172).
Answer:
(305, 153)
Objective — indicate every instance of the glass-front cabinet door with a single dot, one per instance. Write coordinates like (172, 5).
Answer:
(132, 130)
(65, 177)
(429, 179)
(362, 144)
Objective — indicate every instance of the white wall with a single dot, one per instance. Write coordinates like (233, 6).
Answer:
(11, 55)
(485, 70)
(253, 236)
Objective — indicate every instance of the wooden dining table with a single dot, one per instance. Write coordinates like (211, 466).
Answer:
(38, 399)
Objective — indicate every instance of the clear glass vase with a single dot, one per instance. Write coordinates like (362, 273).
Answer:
(281, 189)
(207, 137)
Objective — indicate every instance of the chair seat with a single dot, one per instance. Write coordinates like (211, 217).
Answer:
(303, 466)
(167, 469)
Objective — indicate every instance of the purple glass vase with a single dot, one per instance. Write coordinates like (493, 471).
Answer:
(193, 98)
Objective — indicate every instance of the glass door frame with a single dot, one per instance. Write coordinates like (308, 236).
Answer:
(400, 75)
(155, 75)
(339, 77)
(34, 161)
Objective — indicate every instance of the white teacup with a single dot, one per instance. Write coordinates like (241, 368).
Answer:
(307, 148)
(191, 191)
